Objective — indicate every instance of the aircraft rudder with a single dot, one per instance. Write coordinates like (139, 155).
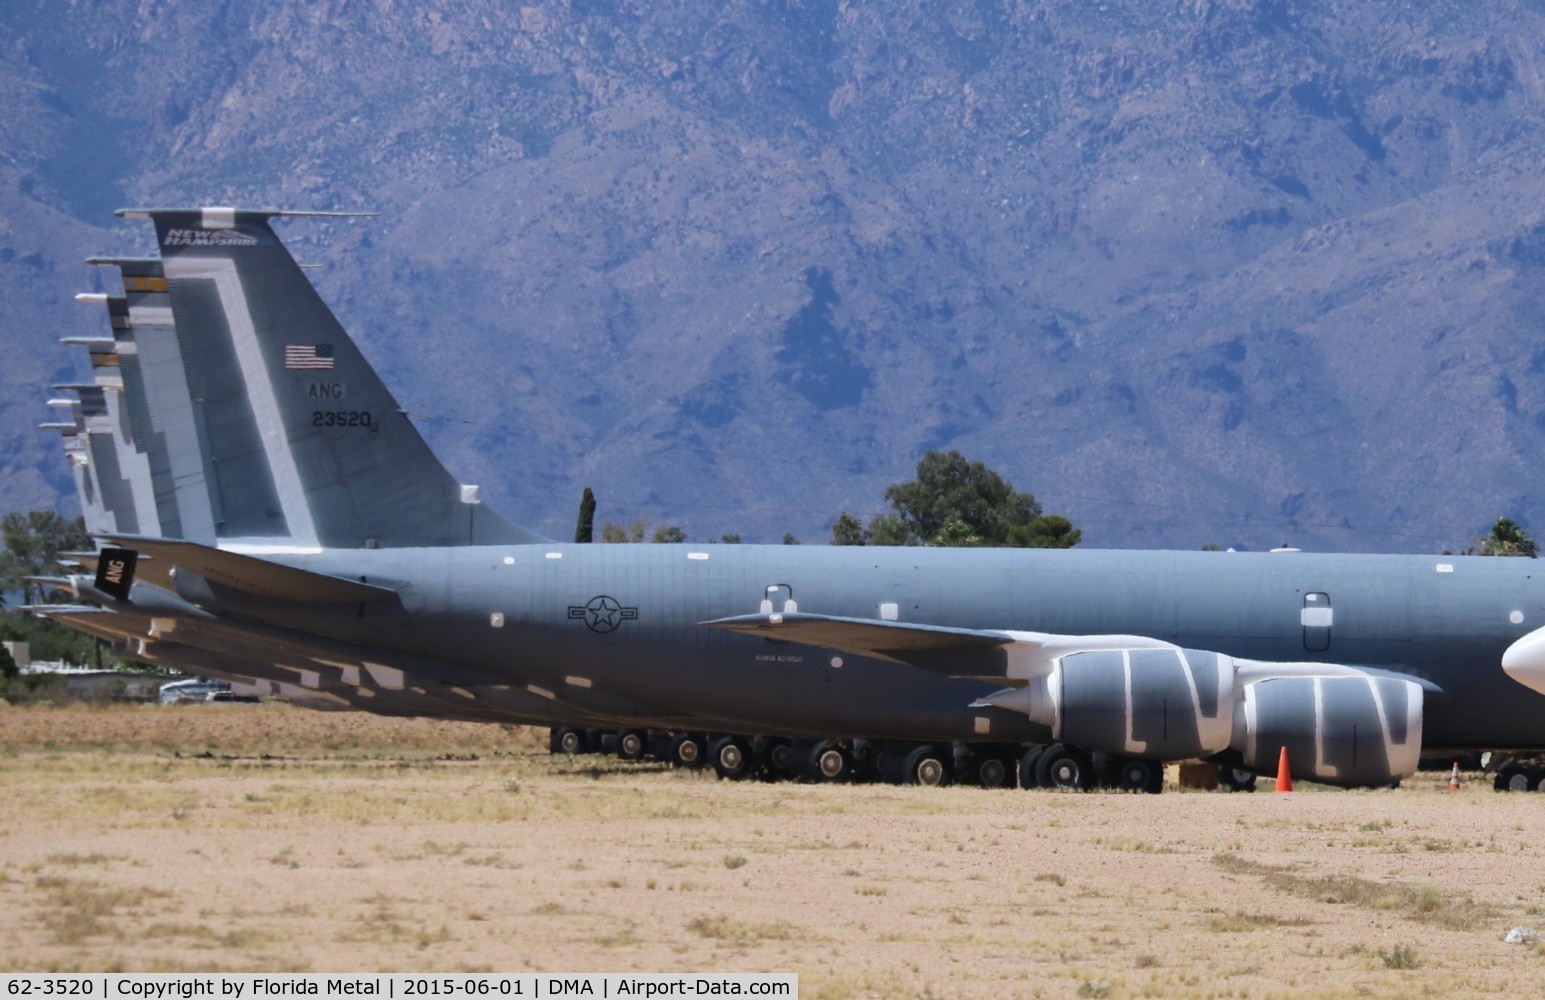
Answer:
(349, 468)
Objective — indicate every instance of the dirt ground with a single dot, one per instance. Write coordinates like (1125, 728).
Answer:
(242, 838)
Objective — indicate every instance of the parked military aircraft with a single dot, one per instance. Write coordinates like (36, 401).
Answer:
(130, 457)
(305, 527)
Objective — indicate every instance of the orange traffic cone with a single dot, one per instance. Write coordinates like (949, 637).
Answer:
(1453, 779)
(1284, 779)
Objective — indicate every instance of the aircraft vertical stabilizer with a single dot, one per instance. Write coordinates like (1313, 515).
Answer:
(158, 402)
(303, 446)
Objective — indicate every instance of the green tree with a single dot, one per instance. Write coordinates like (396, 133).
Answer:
(848, 530)
(48, 640)
(639, 531)
(584, 531)
(1049, 531)
(635, 532)
(889, 529)
(733, 538)
(7, 664)
(956, 534)
(668, 534)
(957, 502)
(33, 541)
(1508, 539)
(789, 539)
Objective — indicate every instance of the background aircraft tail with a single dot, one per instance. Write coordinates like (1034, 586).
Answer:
(300, 443)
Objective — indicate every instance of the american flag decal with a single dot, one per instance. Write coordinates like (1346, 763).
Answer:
(308, 357)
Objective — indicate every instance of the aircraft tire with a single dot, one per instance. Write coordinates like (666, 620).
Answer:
(1236, 779)
(1065, 768)
(829, 762)
(779, 762)
(1028, 765)
(1511, 779)
(731, 758)
(1537, 780)
(569, 741)
(1134, 774)
(686, 750)
(992, 771)
(631, 745)
(926, 766)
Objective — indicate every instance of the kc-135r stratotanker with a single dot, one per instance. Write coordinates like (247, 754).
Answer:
(289, 523)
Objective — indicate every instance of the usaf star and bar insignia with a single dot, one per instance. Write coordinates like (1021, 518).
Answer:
(603, 614)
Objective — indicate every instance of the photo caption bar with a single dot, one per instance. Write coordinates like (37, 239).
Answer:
(395, 986)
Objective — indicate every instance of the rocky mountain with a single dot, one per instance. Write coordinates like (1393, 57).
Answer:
(1235, 272)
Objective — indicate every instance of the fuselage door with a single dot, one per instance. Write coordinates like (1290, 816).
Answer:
(1317, 617)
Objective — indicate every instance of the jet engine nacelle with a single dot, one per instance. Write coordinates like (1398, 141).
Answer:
(1166, 703)
(1170, 704)
(1345, 731)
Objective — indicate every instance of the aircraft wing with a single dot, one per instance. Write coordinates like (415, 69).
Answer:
(989, 654)
(250, 575)
(957, 652)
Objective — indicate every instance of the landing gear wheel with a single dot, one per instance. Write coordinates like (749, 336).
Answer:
(1511, 779)
(631, 745)
(991, 772)
(1236, 779)
(781, 764)
(1027, 768)
(686, 750)
(1137, 775)
(731, 758)
(569, 741)
(829, 762)
(926, 766)
(1065, 768)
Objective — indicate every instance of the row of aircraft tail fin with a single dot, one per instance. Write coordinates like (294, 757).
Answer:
(231, 409)
(209, 435)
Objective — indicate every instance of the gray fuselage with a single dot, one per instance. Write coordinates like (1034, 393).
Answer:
(530, 615)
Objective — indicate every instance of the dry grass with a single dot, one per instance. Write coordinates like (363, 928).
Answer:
(234, 838)
(1426, 903)
(271, 731)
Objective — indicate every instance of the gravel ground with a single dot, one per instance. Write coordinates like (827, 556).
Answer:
(266, 838)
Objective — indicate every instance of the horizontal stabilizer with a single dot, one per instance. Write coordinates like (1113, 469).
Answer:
(254, 576)
(51, 582)
(87, 560)
(952, 651)
(63, 610)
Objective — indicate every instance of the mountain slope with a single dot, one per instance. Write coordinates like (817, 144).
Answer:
(1231, 272)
